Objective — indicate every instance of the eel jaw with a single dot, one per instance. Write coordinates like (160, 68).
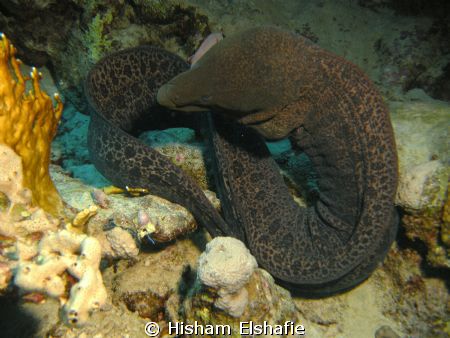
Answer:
(165, 99)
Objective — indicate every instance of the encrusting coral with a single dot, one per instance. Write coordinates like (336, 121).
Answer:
(38, 255)
(227, 265)
(19, 219)
(28, 123)
(231, 290)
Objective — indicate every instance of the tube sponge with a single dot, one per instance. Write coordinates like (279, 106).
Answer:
(28, 123)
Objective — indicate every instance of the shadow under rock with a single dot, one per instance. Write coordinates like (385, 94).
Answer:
(421, 248)
(15, 321)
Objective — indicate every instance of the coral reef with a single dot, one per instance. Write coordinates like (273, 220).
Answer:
(65, 251)
(28, 123)
(420, 125)
(21, 224)
(87, 30)
(421, 128)
(423, 186)
(419, 304)
(399, 52)
(227, 265)
(180, 145)
(38, 254)
(407, 53)
(151, 280)
(151, 287)
(432, 227)
(157, 286)
(266, 302)
(18, 218)
(122, 243)
(79, 221)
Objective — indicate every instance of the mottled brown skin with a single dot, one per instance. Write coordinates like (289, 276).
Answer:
(121, 88)
(280, 84)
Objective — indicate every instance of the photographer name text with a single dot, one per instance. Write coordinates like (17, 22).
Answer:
(245, 328)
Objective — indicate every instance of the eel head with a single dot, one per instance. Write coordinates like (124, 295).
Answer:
(250, 76)
(238, 75)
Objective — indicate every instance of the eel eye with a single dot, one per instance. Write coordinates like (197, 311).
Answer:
(206, 98)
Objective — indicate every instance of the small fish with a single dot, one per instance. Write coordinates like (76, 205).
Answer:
(149, 239)
(210, 41)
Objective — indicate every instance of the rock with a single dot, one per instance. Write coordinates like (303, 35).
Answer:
(229, 289)
(233, 303)
(423, 186)
(166, 220)
(226, 265)
(74, 35)
(432, 227)
(386, 332)
(266, 301)
(170, 135)
(122, 243)
(416, 305)
(151, 286)
(421, 131)
(189, 157)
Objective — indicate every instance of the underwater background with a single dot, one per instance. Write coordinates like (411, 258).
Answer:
(147, 249)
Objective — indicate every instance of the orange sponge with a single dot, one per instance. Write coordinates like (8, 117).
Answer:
(28, 123)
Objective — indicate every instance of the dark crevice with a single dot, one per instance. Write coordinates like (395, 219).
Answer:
(420, 247)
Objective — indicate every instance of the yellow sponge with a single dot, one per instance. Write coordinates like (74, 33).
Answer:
(28, 123)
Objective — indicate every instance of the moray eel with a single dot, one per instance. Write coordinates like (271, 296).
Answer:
(121, 88)
(277, 84)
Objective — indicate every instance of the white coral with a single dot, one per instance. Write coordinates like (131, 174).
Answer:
(78, 254)
(41, 266)
(227, 265)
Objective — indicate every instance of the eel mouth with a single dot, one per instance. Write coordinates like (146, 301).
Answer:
(167, 99)
(163, 97)
(256, 118)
